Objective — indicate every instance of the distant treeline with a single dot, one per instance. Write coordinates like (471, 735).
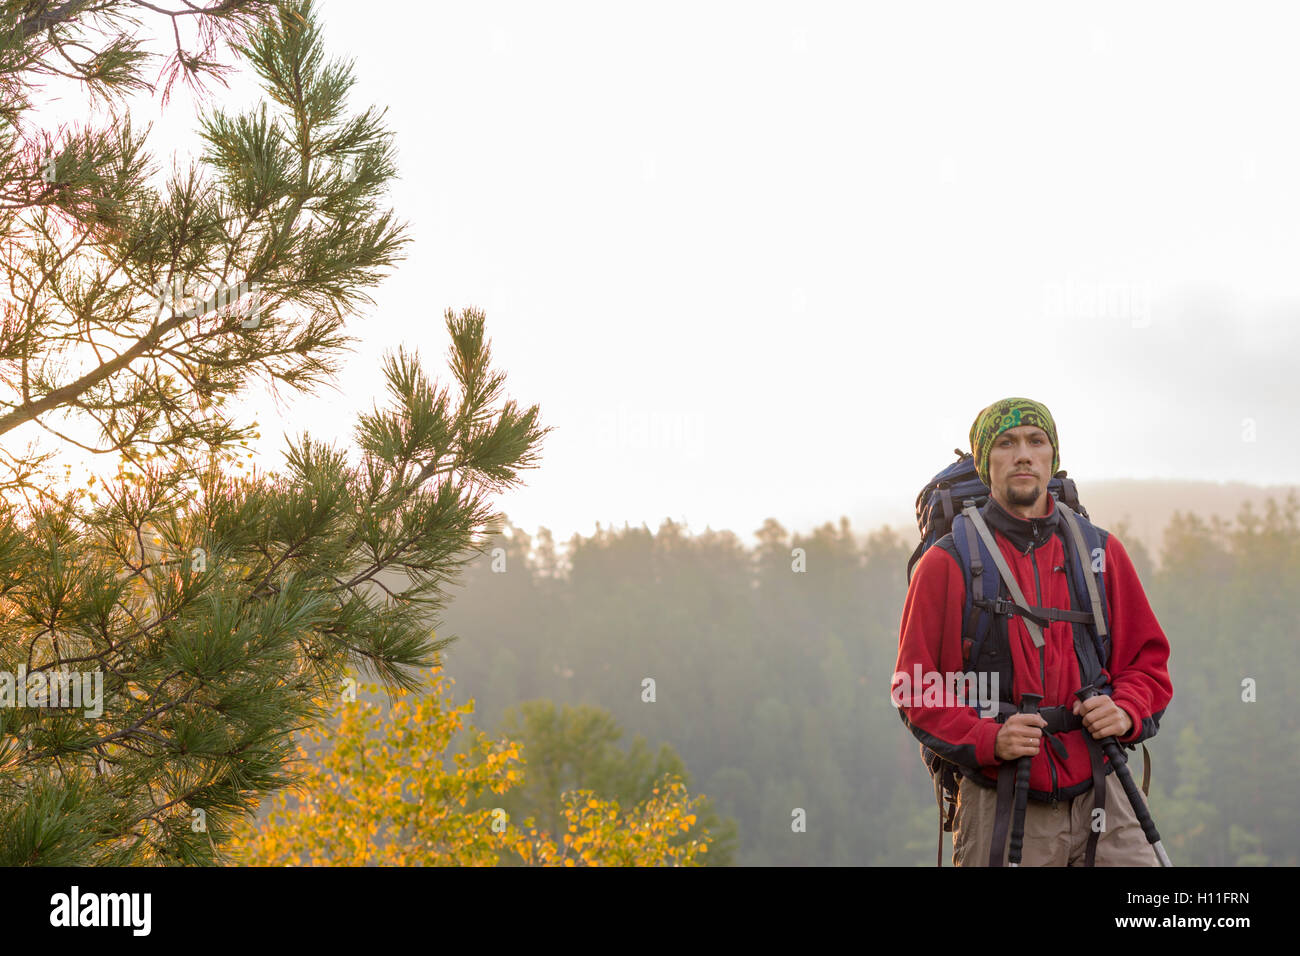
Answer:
(773, 683)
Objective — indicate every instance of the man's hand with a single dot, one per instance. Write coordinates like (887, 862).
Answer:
(1102, 717)
(1019, 736)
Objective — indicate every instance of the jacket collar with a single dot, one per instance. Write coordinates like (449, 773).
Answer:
(1023, 533)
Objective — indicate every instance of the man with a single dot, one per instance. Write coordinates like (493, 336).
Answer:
(1016, 450)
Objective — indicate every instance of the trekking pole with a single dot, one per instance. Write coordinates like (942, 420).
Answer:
(1028, 705)
(1113, 750)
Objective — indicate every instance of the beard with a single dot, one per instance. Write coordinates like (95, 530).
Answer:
(1023, 495)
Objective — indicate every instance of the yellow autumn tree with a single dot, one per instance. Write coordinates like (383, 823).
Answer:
(380, 789)
(600, 835)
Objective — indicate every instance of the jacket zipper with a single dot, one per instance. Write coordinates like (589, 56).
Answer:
(1038, 588)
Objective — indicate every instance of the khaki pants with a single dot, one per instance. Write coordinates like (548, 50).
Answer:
(1053, 836)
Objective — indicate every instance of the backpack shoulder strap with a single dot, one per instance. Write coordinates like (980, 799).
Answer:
(977, 520)
(1072, 521)
(1084, 544)
(977, 623)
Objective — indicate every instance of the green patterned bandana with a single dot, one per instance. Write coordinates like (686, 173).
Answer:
(1009, 413)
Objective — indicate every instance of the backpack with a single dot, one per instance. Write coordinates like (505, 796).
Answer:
(954, 501)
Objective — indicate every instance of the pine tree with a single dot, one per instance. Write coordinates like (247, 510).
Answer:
(222, 612)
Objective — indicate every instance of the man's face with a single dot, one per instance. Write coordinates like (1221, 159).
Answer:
(1023, 450)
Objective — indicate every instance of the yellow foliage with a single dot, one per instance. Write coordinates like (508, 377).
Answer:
(375, 793)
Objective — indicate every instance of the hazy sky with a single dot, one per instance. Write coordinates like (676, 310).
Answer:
(771, 259)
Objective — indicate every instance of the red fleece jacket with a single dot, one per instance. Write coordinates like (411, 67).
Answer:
(931, 636)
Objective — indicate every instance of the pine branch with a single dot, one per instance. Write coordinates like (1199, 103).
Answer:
(221, 613)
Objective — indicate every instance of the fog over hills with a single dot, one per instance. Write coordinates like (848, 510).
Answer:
(1144, 506)
(1139, 508)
